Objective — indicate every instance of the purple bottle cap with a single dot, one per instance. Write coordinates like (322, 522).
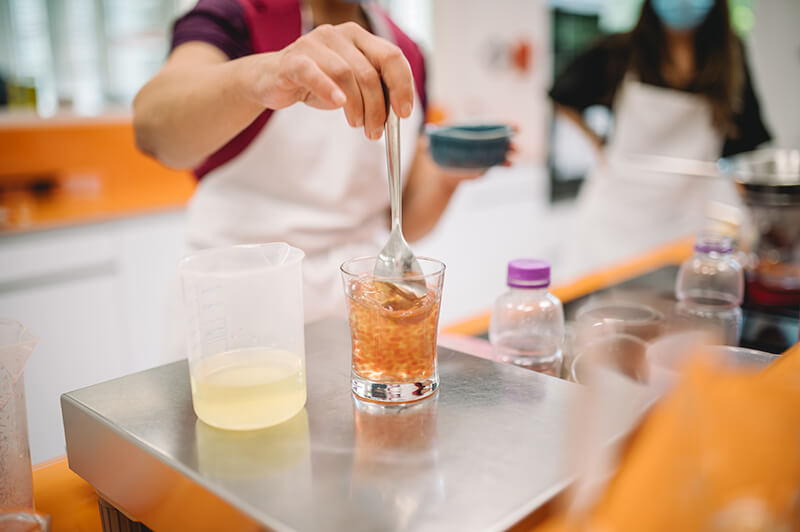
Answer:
(711, 243)
(528, 273)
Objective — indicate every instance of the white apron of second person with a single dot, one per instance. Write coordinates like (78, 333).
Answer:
(307, 179)
(622, 210)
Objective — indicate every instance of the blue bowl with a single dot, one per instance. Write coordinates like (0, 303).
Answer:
(470, 146)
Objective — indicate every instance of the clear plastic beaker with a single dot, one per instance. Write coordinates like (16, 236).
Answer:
(244, 316)
(16, 483)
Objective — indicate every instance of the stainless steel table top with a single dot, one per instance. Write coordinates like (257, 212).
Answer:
(483, 453)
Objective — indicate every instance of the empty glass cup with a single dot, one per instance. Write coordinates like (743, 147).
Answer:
(621, 353)
(244, 314)
(619, 317)
(393, 335)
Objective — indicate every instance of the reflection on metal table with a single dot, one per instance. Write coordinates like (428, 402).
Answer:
(482, 454)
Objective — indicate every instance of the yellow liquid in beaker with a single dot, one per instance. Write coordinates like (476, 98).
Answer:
(248, 389)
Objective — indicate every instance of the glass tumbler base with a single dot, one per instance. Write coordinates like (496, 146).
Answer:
(391, 392)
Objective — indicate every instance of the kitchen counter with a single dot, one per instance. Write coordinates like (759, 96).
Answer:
(70, 500)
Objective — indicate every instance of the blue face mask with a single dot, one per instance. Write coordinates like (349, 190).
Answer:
(682, 15)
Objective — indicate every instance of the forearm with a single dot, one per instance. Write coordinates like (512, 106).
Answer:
(186, 113)
(426, 196)
(422, 215)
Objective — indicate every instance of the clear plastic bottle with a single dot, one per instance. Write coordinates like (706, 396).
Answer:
(527, 324)
(710, 287)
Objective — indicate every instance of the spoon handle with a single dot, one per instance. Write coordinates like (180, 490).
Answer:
(393, 167)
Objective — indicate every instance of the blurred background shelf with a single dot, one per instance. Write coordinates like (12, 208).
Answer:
(66, 170)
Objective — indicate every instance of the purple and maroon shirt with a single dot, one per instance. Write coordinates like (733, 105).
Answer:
(244, 27)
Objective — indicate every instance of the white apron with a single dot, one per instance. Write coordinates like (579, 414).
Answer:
(623, 211)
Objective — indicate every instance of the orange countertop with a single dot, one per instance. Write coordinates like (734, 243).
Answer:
(69, 500)
(84, 169)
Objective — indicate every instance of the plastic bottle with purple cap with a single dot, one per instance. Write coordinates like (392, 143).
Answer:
(710, 287)
(527, 323)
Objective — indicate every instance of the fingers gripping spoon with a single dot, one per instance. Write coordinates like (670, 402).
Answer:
(396, 259)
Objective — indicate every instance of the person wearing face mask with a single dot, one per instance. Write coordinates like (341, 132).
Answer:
(678, 87)
(249, 98)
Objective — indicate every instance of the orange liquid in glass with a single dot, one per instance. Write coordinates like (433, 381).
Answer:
(394, 338)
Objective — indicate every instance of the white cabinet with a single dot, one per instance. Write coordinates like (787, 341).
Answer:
(95, 295)
(148, 251)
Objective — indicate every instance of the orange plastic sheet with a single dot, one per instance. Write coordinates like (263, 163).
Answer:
(722, 446)
(720, 453)
(69, 500)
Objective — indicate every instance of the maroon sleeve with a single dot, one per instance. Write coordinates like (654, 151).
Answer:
(217, 22)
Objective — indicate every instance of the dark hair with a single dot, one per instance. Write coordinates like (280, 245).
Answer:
(719, 72)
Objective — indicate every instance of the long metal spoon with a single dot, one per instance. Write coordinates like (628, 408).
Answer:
(396, 259)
